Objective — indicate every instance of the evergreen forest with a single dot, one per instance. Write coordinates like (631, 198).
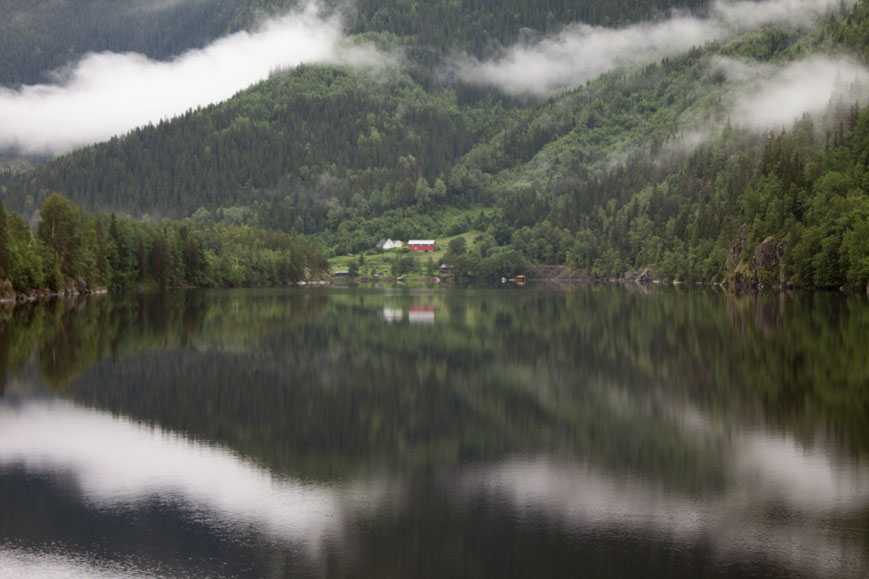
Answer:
(74, 252)
(646, 166)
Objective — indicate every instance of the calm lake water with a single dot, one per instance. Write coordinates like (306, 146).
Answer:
(599, 431)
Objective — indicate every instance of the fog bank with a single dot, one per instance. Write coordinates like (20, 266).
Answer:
(581, 52)
(772, 97)
(108, 93)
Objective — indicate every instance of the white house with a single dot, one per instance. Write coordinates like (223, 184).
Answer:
(390, 244)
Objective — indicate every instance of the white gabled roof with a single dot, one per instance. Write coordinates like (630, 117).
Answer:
(421, 242)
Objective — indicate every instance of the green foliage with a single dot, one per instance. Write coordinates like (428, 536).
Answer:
(457, 246)
(38, 36)
(598, 178)
(42, 35)
(403, 264)
(304, 151)
(71, 248)
(62, 231)
(4, 245)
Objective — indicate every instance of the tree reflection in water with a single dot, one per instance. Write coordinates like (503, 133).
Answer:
(682, 432)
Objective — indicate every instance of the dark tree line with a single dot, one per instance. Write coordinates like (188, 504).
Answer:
(71, 250)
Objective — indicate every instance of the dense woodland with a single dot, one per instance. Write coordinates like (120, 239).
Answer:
(72, 251)
(39, 36)
(594, 178)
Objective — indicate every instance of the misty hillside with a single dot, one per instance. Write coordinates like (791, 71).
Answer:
(40, 36)
(724, 144)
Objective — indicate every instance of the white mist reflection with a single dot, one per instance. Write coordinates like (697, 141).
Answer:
(118, 463)
(780, 502)
(22, 564)
(808, 480)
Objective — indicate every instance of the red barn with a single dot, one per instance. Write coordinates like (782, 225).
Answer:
(421, 245)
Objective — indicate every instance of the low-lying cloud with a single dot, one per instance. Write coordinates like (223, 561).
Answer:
(581, 52)
(773, 97)
(107, 94)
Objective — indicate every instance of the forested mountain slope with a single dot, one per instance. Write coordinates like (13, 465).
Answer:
(650, 165)
(39, 36)
(299, 140)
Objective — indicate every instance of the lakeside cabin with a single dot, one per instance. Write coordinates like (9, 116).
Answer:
(421, 245)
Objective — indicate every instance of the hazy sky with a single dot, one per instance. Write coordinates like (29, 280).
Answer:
(108, 93)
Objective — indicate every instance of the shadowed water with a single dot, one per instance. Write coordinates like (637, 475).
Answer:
(598, 431)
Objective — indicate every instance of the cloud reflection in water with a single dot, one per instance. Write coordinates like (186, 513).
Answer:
(117, 463)
(781, 503)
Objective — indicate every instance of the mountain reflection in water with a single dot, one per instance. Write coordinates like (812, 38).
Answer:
(521, 432)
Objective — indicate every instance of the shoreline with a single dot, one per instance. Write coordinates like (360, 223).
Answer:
(566, 276)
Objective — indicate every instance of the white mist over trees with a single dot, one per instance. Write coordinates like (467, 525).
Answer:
(773, 97)
(580, 52)
(107, 94)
